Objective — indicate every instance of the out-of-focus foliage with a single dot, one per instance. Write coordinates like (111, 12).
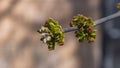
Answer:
(118, 5)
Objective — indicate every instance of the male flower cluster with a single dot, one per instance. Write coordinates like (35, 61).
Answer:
(52, 34)
(85, 28)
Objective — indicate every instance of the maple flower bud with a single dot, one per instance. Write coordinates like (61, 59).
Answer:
(44, 40)
(48, 38)
(51, 33)
(91, 40)
(85, 28)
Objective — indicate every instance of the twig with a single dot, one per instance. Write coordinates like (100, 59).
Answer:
(97, 22)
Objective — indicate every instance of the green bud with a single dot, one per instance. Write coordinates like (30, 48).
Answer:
(51, 47)
(91, 40)
(93, 35)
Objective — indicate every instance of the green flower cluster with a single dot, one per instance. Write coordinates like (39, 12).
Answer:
(52, 34)
(85, 28)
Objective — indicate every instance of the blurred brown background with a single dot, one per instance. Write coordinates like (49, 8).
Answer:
(20, 46)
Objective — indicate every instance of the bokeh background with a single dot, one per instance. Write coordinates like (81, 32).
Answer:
(20, 45)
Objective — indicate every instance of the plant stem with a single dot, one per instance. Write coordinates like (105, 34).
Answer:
(97, 22)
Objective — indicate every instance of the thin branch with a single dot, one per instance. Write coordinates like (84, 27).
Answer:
(97, 22)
